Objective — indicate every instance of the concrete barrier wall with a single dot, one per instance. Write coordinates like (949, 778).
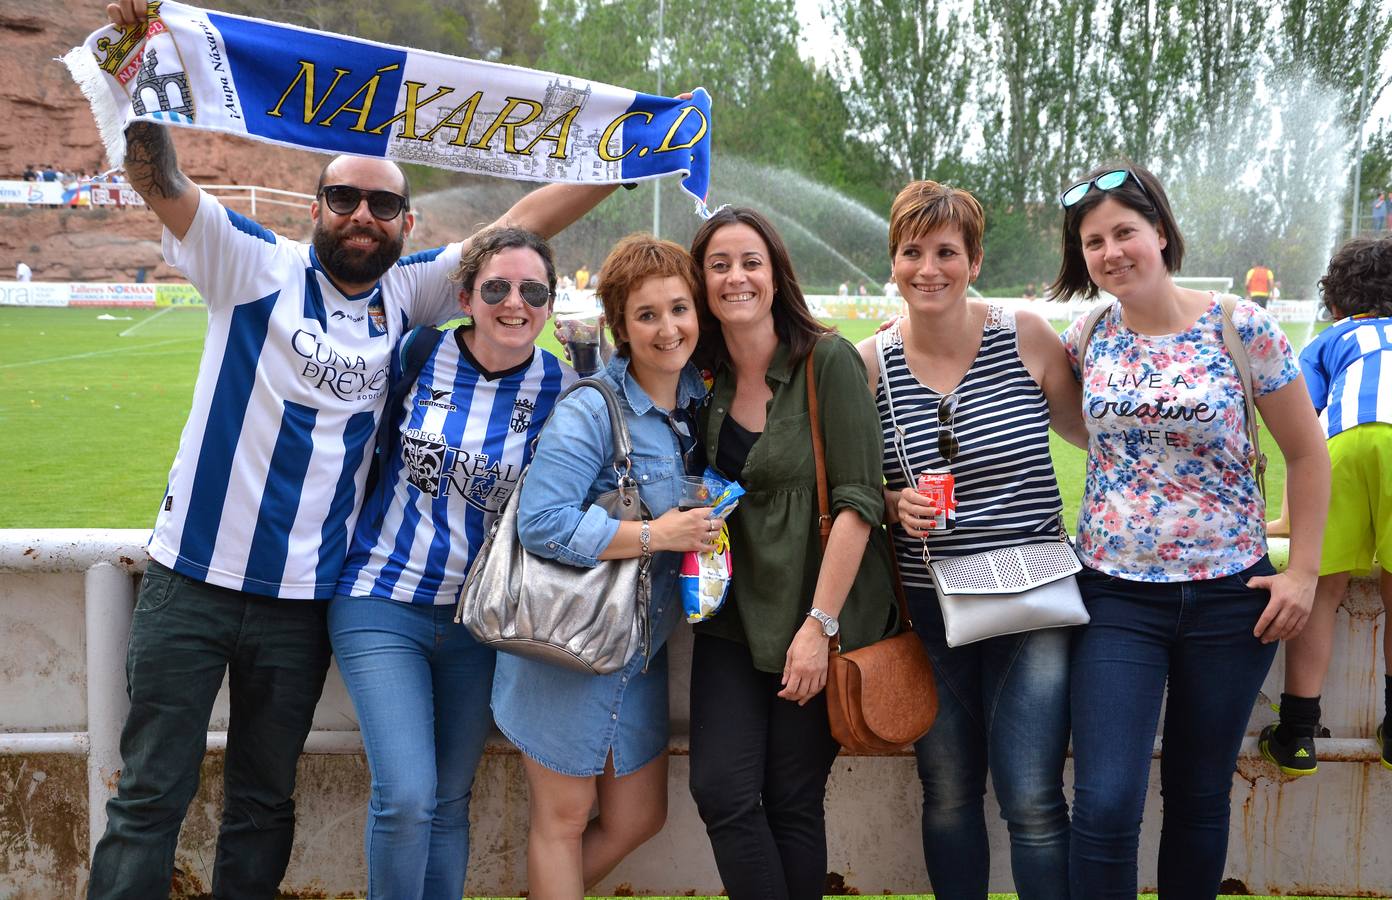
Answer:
(1325, 834)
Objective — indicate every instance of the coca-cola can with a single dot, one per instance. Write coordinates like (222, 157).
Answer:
(938, 486)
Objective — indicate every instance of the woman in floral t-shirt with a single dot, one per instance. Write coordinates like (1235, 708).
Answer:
(1171, 532)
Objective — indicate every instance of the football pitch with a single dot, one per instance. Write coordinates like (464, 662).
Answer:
(92, 402)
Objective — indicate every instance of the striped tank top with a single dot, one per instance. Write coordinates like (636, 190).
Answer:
(1006, 490)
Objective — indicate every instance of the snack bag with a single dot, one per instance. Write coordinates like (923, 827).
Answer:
(705, 575)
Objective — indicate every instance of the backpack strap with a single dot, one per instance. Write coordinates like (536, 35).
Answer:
(417, 347)
(1090, 323)
(1232, 342)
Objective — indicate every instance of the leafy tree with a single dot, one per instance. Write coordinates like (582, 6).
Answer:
(908, 67)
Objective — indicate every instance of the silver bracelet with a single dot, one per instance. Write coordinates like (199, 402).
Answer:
(645, 538)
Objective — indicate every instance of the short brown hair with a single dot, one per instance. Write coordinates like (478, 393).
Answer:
(490, 241)
(634, 260)
(924, 206)
(1141, 192)
(1359, 279)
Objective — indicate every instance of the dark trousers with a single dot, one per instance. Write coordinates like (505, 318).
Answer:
(1197, 636)
(185, 635)
(759, 768)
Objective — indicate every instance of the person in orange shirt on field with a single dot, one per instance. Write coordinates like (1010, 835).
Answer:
(1260, 281)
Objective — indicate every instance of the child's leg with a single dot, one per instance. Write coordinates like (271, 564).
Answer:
(1385, 585)
(1308, 653)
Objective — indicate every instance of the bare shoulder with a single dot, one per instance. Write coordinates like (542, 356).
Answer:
(1034, 330)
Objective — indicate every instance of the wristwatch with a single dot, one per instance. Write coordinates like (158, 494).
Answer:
(829, 624)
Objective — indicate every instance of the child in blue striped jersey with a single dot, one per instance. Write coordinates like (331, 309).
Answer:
(1348, 369)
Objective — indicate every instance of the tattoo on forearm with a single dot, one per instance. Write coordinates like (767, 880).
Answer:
(151, 164)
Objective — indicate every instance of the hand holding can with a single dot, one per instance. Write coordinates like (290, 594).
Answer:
(939, 488)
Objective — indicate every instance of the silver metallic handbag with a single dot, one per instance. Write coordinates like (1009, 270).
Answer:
(1003, 591)
(1008, 590)
(586, 619)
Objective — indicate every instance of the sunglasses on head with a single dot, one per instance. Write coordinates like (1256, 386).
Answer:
(496, 290)
(1107, 181)
(343, 199)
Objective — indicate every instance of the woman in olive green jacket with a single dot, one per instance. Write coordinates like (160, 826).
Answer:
(761, 747)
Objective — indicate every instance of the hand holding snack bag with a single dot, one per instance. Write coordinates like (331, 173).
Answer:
(705, 575)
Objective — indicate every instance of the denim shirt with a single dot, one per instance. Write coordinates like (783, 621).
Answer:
(573, 465)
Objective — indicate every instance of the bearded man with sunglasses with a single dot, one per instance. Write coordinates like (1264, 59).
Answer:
(263, 495)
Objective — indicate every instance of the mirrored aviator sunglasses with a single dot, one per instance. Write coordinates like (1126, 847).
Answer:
(496, 290)
(1107, 181)
(343, 200)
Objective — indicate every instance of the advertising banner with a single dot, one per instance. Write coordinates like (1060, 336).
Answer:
(115, 195)
(34, 293)
(111, 294)
(177, 295)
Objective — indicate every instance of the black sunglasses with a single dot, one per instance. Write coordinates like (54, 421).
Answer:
(1107, 181)
(496, 290)
(947, 441)
(343, 199)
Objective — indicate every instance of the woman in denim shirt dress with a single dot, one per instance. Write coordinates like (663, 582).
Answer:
(585, 737)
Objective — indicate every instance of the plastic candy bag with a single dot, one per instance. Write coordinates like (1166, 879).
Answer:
(705, 575)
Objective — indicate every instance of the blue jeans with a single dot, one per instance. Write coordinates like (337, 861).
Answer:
(1197, 635)
(184, 637)
(420, 685)
(1002, 701)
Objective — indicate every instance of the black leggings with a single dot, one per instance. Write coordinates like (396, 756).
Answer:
(759, 768)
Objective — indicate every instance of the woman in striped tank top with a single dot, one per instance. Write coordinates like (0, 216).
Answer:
(975, 389)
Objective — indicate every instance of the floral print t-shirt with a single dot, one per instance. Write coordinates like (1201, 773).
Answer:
(1170, 493)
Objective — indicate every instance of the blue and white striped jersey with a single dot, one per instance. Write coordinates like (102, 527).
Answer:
(463, 442)
(1348, 370)
(267, 483)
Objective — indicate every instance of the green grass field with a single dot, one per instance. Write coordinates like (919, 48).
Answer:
(91, 410)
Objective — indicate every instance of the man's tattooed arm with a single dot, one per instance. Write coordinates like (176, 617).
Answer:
(153, 170)
(151, 164)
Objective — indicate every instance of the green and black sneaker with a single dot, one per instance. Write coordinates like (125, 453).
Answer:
(1385, 739)
(1296, 757)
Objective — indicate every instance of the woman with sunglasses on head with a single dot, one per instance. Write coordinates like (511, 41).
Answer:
(602, 739)
(419, 682)
(974, 388)
(761, 746)
(1176, 576)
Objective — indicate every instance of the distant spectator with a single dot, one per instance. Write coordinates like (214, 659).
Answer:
(1259, 282)
(843, 290)
(50, 173)
(1030, 292)
(861, 290)
(30, 173)
(582, 277)
(23, 272)
(1380, 210)
(891, 289)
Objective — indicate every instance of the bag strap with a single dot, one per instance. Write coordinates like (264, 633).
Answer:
(882, 350)
(623, 442)
(417, 347)
(1093, 317)
(1232, 341)
(814, 417)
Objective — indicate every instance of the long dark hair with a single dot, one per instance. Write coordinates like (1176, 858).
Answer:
(1140, 191)
(793, 322)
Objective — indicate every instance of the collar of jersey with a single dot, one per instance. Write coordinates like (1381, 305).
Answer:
(315, 264)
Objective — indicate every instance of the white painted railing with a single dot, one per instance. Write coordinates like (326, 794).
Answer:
(66, 598)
